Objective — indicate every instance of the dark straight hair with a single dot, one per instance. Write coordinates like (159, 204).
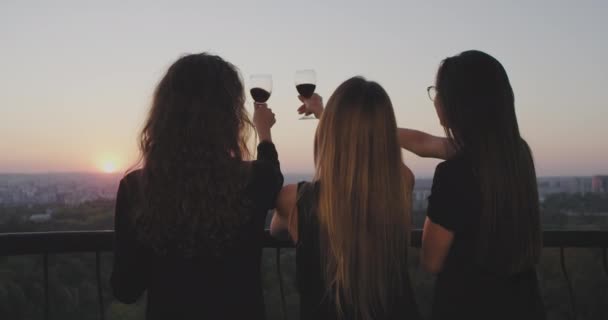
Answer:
(479, 108)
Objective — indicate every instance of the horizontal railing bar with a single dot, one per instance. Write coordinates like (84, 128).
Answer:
(12, 244)
(575, 238)
(24, 243)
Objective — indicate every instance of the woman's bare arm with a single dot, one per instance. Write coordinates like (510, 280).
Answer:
(425, 145)
(285, 211)
(436, 243)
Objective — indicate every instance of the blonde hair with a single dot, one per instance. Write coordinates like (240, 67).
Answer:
(364, 200)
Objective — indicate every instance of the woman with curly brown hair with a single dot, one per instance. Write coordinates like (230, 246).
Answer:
(190, 222)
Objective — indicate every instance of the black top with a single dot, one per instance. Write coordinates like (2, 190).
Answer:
(464, 290)
(314, 302)
(225, 286)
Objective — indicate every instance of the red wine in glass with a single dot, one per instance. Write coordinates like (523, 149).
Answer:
(261, 87)
(259, 95)
(306, 83)
(306, 89)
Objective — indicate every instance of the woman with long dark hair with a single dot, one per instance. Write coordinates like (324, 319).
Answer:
(351, 223)
(189, 223)
(482, 236)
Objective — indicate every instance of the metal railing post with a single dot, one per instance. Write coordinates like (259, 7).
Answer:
(570, 290)
(99, 286)
(605, 260)
(283, 301)
(45, 261)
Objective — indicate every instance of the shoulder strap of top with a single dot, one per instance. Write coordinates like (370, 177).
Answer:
(306, 202)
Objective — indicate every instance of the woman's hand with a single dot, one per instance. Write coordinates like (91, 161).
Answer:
(263, 120)
(312, 105)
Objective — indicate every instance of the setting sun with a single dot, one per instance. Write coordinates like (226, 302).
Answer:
(107, 163)
(108, 167)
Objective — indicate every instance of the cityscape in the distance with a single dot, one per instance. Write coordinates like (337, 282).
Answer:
(72, 189)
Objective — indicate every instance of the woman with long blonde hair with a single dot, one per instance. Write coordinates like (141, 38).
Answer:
(351, 223)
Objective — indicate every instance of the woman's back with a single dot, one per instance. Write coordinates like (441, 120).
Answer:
(315, 301)
(463, 287)
(209, 283)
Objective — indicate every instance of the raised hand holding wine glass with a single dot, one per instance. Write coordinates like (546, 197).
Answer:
(263, 120)
(306, 83)
(312, 105)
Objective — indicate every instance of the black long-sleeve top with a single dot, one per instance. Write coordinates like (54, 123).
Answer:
(224, 286)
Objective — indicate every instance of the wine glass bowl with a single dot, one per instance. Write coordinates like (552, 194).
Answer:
(306, 83)
(261, 87)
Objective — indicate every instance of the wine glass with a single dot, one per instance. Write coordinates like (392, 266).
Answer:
(306, 83)
(261, 87)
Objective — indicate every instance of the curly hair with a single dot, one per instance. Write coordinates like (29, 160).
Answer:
(193, 145)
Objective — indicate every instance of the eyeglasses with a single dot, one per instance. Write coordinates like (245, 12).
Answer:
(432, 92)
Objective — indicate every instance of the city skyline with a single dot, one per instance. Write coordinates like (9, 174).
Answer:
(77, 79)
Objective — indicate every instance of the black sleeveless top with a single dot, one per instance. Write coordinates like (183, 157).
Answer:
(315, 302)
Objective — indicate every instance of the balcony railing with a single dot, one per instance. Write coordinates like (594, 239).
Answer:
(47, 243)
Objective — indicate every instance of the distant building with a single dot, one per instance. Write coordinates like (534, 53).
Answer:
(420, 199)
(572, 185)
(599, 184)
(420, 194)
(42, 217)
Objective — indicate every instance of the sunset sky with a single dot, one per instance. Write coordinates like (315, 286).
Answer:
(76, 77)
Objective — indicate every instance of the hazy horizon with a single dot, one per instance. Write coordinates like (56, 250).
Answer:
(285, 173)
(77, 78)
